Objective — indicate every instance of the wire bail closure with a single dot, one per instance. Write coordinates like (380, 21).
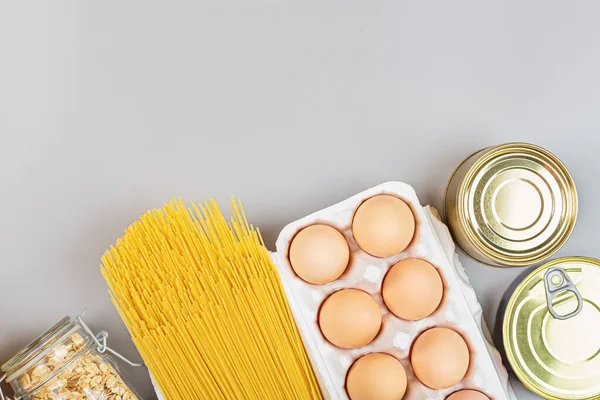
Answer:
(101, 341)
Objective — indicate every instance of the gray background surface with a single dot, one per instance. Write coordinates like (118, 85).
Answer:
(110, 108)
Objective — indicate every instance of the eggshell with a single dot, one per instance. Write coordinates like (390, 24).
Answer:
(412, 289)
(440, 358)
(319, 254)
(350, 318)
(468, 394)
(383, 225)
(376, 376)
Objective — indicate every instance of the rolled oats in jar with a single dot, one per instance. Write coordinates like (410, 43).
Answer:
(66, 363)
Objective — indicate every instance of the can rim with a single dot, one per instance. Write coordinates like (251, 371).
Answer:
(511, 305)
(452, 177)
(445, 215)
(508, 260)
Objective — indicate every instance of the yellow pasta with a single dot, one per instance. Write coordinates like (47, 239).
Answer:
(205, 307)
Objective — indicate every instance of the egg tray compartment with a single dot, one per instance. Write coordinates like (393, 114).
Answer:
(459, 309)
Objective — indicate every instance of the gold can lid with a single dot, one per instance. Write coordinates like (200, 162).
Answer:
(551, 329)
(518, 203)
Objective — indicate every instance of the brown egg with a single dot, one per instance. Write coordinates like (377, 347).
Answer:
(350, 318)
(383, 225)
(468, 394)
(376, 376)
(319, 254)
(412, 289)
(440, 358)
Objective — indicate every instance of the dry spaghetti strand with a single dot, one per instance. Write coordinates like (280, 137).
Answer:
(205, 307)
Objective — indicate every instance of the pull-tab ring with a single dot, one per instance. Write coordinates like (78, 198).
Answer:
(556, 280)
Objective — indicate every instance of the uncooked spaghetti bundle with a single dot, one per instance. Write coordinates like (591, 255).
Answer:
(205, 307)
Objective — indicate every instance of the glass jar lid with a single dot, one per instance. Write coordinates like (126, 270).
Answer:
(39, 346)
(46, 356)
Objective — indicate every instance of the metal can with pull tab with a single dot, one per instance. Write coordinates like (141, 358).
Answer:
(551, 330)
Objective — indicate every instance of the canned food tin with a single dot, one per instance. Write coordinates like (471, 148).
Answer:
(511, 205)
(551, 329)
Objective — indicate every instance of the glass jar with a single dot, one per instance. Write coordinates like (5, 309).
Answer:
(67, 362)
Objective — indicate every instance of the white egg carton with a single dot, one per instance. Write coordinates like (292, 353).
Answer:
(459, 310)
